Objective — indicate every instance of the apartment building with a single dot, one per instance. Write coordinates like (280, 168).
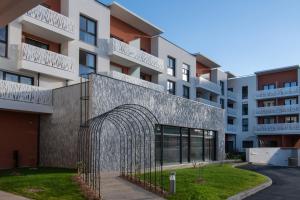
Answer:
(53, 51)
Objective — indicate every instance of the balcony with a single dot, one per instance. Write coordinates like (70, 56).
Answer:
(22, 97)
(131, 56)
(208, 85)
(278, 110)
(231, 128)
(231, 111)
(231, 95)
(46, 62)
(279, 128)
(278, 92)
(208, 102)
(134, 80)
(46, 23)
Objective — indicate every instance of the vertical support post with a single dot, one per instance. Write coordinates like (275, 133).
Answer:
(161, 156)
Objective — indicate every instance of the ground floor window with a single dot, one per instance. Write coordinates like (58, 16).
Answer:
(181, 145)
(247, 144)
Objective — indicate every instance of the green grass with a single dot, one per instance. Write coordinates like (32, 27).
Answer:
(216, 182)
(41, 184)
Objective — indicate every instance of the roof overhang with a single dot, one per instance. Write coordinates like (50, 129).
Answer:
(206, 61)
(12, 9)
(125, 15)
(230, 75)
(281, 69)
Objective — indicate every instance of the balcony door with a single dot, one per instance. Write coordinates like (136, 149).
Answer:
(37, 43)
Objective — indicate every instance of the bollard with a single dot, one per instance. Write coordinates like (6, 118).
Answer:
(172, 179)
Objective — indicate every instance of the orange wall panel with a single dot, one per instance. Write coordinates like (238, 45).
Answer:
(202, 69)
(53, 5)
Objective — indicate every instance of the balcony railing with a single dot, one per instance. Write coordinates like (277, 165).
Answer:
(25, 93)
(278, 92)
(231, 95)
(208, 85)
(279, 127)
(278, 110)
(48, 58)
(136, 55)
(231, 128)
(208, 102)
(52, 18)
(231, 111)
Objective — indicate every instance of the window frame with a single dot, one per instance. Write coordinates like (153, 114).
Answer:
(95, 61)
(247, 94)
(222, 103)
(36, 41)
(186, 72)
(19, 76)
(173, 92)
(86, 31)
(290, 84)
(186, 88)
(245, 127)
(173, 68)
(222, 84)
(5, 42)
(247, 112)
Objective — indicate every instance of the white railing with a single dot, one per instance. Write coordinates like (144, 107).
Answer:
(231, 128)
(231, 95)
(25, 93)
(277, 127)
(208, 102)
(231, 111)
(208, 85)
(52, 18)
(278, 92)
(284, 109)
(136, 54)
(45, 57)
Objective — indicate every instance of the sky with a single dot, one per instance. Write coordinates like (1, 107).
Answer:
(243, 36)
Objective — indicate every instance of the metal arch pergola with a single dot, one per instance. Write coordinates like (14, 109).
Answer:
(136, 127)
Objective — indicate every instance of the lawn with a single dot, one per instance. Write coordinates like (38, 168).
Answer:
(212, 182)
(41, 184)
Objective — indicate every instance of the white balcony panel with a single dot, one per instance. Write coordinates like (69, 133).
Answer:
(46, 62)
(132, 56)
(279, 128)
(208, 102)
(231, 95)
(231, 111)
(22, 97)
(134, 80)
(278, 110)
(208, 85)
(48, 24)
(231, 128)
(278, 92)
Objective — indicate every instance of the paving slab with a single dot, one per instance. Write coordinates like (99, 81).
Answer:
(9, 196)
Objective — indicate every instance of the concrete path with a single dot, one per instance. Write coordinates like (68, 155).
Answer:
(9, 196)
(116, 188)
(286, 182)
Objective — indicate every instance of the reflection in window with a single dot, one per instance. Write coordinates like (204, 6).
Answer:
(88, 30)
(87, 63)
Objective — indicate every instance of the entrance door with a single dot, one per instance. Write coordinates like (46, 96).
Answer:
(18, 139)
(209, 145)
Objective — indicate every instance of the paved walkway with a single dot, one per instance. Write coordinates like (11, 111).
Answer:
(286, 182)
(9, 196)
(116, 188)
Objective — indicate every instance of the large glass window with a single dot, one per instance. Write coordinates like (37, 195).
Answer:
(37, 43)
(196, 144)
(171, 66)
(185, 144)
(222, 102)
(245, 109)
(222, 87)
(269, 86)
(16, 78)
(87, 63)
(245, 124)
(209, 145)
(185, 72)
(290, 119)
(290, 101)
(290, 84)
(245, 92)
(269, 120)
(171, 144)
(88, 30)
(171, 87)
(3, 41)
(186, 92)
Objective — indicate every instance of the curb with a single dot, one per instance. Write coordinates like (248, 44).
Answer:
(247, 193)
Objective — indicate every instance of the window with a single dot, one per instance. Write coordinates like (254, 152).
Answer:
(269, 120)
(290, 119)
(171, 87)
(230, 120)
(230, 105)
(222, 87)
(291, 101)
(3, 41)
(37, 43)
(171, 66)
(290, 84)
(245, 124)
(186, 72)
(87, 63)
(88, 30)
(245, 92)
(16, 78)
(269, 103)
(222, 103)
(146, 77)
(230, 89)
(269, 86)
(245, 109)
(186, 92)
(247, 144)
